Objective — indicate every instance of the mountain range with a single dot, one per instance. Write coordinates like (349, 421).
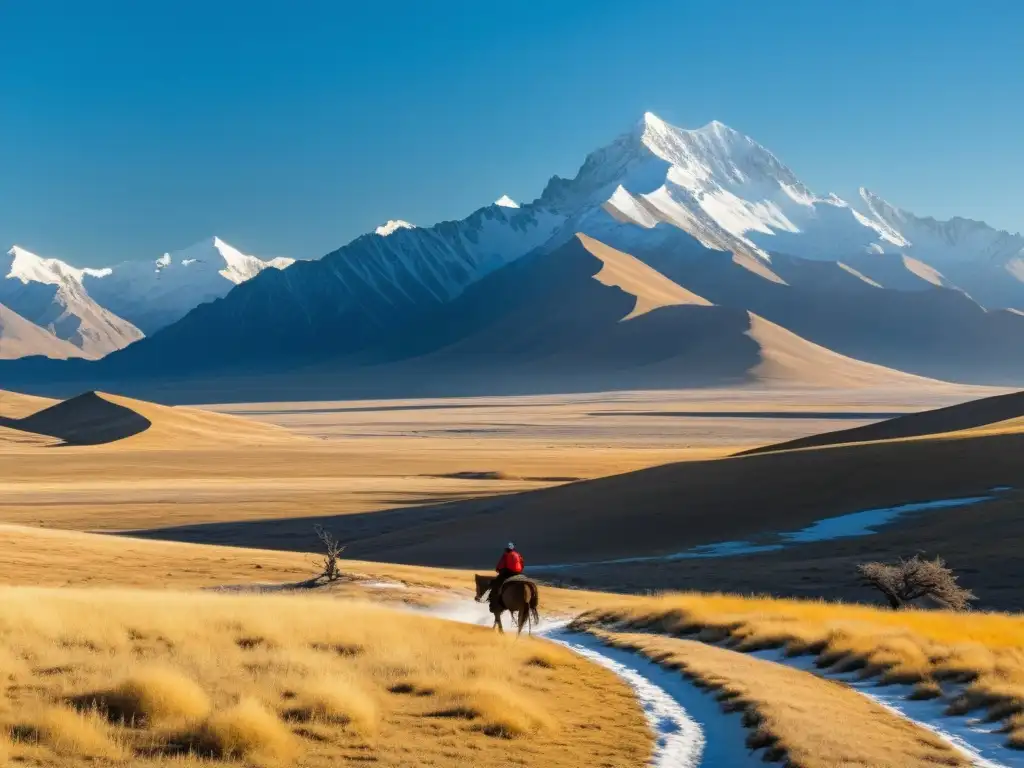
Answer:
(97, 311)
(672, 257)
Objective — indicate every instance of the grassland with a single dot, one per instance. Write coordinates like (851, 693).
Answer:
(794, 716)
(120, 676)
(109, 675)
(983, 651)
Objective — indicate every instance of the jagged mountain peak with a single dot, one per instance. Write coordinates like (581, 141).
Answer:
(506, 202)
(27, 267)
(212, 254)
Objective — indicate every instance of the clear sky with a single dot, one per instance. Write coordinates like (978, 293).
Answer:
(133, 127)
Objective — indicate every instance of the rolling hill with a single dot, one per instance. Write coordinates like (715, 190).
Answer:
(20, 338)
(1000, 413)
(669, 509)
(96, 418)
(588, 315)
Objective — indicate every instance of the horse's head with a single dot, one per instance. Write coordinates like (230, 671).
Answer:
(483, 583)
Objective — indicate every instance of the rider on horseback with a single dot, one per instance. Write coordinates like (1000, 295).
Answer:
(510, 564)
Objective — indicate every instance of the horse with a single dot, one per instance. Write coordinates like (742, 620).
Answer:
(518, 595)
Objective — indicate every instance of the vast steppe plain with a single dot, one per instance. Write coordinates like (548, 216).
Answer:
(155, 559)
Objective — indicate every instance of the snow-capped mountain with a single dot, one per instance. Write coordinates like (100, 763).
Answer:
(153, 294)
(985, 262)
(733, 194)
(50, 294)
(709, 208)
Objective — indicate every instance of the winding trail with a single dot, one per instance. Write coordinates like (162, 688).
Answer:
(691, 730)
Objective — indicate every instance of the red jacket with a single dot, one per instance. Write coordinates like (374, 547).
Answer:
(510, 561)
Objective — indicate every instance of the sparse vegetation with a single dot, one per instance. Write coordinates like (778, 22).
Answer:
(95, 677)
(910, 646)
(915, 578)
(246, 730)
(155, 696)
(332, 550)
(68, 733)
(340, 701)
(793, 715)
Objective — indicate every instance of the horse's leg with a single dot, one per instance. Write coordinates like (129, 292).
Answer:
(497, 621)
(524, 615)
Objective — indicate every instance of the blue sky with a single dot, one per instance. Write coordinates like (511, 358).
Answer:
(130, 128)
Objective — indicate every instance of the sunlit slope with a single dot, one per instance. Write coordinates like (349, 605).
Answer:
(991, 415)
(96, 418)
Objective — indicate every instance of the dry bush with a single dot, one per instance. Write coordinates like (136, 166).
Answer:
(496, 710)
(71, 733)
(332, 551)
(549, 656)
(1015, 731)
(245, 731)
(912, 579)
(151, 696)
(927, 689)
(335, 701)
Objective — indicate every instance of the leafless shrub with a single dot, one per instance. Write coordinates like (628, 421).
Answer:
(914, 578)
(332, 549)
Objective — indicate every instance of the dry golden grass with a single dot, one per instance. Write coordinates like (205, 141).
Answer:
(162, 677)
(68, 733)
(795, 715)
(340, 701)
(48, 558)
(985, 651)
(246, 730)
(151, 696)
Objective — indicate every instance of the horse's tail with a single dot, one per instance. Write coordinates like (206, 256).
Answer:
(534, 601)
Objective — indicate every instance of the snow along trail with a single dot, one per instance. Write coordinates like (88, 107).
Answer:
(978, 742)
(691, 730)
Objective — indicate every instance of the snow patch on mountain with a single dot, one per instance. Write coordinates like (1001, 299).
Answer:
(506, 202)
(50, 294)
(955, 240)
(153, 294)
(393, 225)
(27, 267)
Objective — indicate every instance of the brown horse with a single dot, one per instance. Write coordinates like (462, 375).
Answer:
(518, 596)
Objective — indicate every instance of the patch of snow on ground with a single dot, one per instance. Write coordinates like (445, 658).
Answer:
(977, 741)
(864, 523)
(382, 584)
(855, 524)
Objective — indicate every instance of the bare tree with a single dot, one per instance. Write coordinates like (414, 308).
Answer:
(332, 550)
(912, 579)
